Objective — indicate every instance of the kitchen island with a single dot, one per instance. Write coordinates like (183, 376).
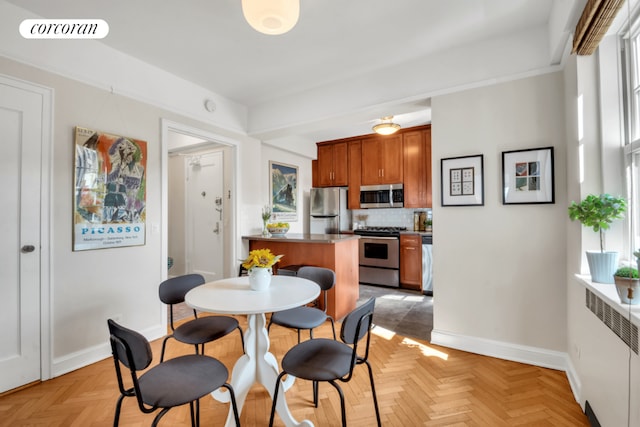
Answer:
(339, 252)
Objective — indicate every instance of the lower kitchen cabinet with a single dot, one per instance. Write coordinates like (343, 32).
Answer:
(411, 261)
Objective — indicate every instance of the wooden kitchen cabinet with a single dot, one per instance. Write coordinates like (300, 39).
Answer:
(411, 261)
(355, 168)
(332, 164)
(382, 160)
(417, 168)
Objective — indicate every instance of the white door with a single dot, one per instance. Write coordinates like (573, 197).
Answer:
(21, 112)
(205, 215)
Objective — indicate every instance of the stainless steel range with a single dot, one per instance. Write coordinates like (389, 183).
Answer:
(379, 255)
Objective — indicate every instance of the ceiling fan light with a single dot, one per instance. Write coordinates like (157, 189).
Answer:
(387, 127)
(271, 17)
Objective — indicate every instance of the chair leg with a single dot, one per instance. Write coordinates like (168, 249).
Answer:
(164, 345)
(116, 418)
(373, 391)
(342, 409)
(234, 406)
(298, 336)
(315, 393)
(275, 398)
(333, 327)
(156, 420)
(242, 337)
(195, 415)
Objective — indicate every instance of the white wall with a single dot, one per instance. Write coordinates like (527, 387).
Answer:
(87, 287)
(499, 270)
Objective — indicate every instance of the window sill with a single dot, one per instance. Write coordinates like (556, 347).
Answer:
(608, 293)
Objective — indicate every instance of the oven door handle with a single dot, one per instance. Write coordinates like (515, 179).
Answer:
(377, 238)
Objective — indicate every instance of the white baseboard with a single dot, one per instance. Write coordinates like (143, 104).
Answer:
(574, 382)
(502, 350)
(80, 359)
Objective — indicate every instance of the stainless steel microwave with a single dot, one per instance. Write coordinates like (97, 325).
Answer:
(381, 196)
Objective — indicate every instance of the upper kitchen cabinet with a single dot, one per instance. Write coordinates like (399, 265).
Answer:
(382, 160)
(417, 168)
(355, 174)
(332, 168)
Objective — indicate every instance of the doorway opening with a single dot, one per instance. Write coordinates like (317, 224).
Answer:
(199, 203)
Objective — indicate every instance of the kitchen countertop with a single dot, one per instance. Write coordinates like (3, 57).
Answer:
(422, 233)
(306, 238)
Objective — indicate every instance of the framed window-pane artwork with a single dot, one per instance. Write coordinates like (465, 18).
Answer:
(462, 181)
(284, 191)
(527, 176)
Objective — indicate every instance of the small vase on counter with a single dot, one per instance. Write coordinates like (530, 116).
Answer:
(266, 216)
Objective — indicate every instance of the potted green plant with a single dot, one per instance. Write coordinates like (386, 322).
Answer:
(598, 212)
(627, 284)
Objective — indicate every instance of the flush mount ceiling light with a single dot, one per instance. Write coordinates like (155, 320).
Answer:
(271, 17)
(386, 127)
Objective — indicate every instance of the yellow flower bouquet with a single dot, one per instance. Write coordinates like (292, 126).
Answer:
(262, 258)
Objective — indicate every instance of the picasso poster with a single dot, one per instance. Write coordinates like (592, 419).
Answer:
(109, 190)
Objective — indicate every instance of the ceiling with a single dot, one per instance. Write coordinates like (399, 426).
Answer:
(347, 63)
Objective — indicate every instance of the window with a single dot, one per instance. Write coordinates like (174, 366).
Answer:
(630, 59)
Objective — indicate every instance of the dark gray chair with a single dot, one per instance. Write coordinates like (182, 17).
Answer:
(199, 330)
(306, 317)
(176, 382)
(328, 360)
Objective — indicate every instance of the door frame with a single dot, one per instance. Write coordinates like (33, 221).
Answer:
(46, 189)
(211, 139)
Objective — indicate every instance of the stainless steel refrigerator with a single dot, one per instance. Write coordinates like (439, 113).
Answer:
(328, 211)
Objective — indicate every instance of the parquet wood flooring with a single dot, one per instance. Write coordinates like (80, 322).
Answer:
(418, 384)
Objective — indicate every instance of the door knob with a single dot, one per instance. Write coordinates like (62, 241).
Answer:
(28, 248)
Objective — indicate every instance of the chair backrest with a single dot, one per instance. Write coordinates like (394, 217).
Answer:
(358, 322)
(324, 277)
(242, 271)
(129, 347)
(172, 291)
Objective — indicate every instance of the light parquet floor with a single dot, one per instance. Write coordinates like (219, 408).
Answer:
(418, 384)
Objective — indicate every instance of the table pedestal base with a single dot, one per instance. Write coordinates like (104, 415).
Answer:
(258, 365)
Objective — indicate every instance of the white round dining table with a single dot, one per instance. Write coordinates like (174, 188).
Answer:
(257, 364)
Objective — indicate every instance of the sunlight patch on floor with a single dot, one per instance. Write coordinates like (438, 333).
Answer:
(410, 298)
(383, 333)
(426, 350)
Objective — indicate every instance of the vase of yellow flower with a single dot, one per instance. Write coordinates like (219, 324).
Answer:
(266, 216)
(258, 264)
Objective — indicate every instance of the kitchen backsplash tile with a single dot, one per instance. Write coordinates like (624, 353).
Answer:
(392, 217)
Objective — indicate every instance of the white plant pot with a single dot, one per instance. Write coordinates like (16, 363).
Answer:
(259, 278)
(628, 290)
(602, 265)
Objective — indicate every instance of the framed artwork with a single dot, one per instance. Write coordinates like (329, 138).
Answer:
(283, 188)
(528, 176)
(109, 190)
(462, 181)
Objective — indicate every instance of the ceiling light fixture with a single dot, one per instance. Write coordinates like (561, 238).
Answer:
(387, 127)
(271, 17)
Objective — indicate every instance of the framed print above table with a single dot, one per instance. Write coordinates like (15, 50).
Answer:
(528, 176)
(462, 181)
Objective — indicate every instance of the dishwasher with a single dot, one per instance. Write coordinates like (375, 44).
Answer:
(427, 271)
